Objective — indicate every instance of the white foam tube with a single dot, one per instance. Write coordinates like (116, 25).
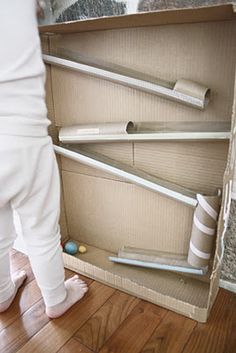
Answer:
(129, 173)
(183, 91)
(69, 135)
(158, 266)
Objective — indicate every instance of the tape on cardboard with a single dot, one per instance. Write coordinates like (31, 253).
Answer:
(203, 230)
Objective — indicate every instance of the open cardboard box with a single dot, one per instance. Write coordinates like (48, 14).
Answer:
(105, 212)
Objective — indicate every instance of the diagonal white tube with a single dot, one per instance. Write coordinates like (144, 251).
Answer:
(159, 266)
(199, 102)
(128, 173)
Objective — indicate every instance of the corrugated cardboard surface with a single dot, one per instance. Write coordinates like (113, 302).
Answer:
(199, 166)
(228, 271)
(107, 213)
(187, 296)
(77, 100)
(115, 151)
(44, 43)
(52, 129)
(49, 96)
(225, 209)
(169, 52)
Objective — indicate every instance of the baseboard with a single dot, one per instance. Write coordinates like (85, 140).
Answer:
(228, 285)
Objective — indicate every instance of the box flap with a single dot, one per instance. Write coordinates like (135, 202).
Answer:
(154, 18)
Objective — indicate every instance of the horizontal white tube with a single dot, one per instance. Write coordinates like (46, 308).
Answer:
(128, 173)
(162, 136)
(136, 83)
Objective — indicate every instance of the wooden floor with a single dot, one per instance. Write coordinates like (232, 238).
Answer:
(109, 321)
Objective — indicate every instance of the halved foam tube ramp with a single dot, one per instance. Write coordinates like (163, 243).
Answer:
(156, 260)
(129, 173)
(77, 133)
(203, 230)
(144, 131)
(193, 89)
(182, 91)
(159, 266)
(200, 246)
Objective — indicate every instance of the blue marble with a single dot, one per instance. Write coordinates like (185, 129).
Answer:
(71, 248)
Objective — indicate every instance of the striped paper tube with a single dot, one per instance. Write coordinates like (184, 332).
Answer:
(203, 230)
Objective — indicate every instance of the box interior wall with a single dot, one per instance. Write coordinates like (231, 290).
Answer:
(106, 212)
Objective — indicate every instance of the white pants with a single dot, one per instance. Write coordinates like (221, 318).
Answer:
(30, 185)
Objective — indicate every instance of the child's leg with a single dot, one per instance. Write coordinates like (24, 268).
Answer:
(8, 284)
(39, 214)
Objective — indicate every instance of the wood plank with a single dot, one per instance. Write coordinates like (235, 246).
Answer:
(99, 328)
(26, 297)
(171, 335)
(69, 274)
(20, 261)
(231, 338)
(19, 332)
(57, 332)
(25, 326)
(219, 332)
(113, 322)
(74, 346)
(135, 330)
(29, 294)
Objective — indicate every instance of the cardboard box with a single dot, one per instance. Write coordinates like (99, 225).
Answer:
(105, 212)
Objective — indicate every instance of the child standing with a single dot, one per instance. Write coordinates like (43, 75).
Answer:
(29, 179)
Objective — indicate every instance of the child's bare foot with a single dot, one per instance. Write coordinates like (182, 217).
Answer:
(18, 279)
(76, 289)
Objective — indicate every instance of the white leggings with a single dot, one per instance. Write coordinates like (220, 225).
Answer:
(30, 185)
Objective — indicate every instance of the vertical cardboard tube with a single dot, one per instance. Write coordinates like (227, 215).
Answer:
(203, 230)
